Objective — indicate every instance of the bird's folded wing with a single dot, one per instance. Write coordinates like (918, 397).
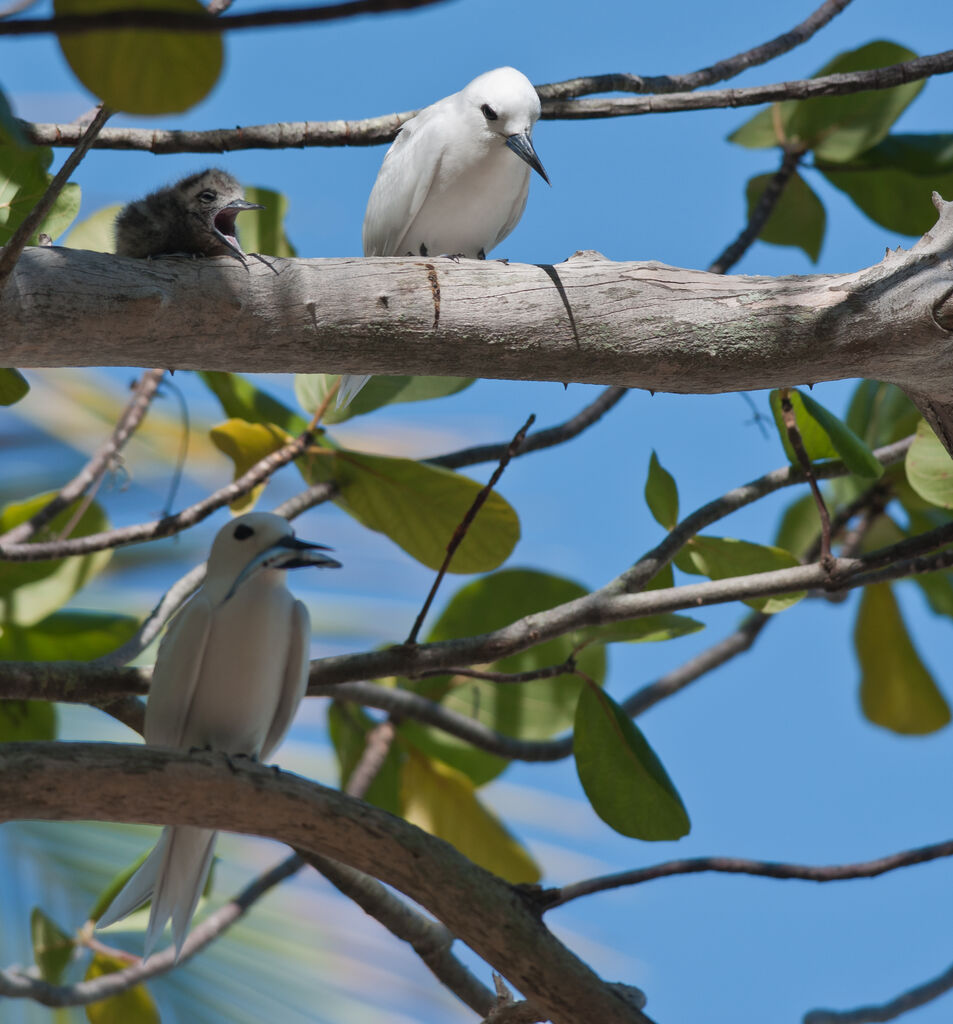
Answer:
(177, 671)
(294, 678)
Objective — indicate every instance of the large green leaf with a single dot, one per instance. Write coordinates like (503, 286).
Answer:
(443, 802)
(13, 387)
(531, 710)
(263, 231)
(661, 494)
(22, 720)
(67, 636)
(97, 233)
(348, 727)
(896, 688)
(23, 181)
(143, 71)
(52, 947)
(626, 783)
(478, 765)
(420, 506)
(836, 128)
(799, 526)
(892, 183)
(240, 399)
(881, 413)
(797, 219)
(651, 628)
(134, 1006)
(824, 435)
(721, 558)
(29, 591)
(246, 444)
(312, 388)
(930, 468)
(10, 130)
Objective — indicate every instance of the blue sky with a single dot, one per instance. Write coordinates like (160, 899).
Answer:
(770, 753)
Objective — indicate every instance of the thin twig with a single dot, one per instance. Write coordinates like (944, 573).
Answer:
(377, 744)
(550, 898)
(461, 531)
(31, 223)
(920, 995)
(549, 672)
(382, 129)
(128, 423)
(797, 443)
(762, 211)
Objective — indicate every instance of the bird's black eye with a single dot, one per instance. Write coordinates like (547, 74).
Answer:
(208, 196)
(488, 112)
(243, 531)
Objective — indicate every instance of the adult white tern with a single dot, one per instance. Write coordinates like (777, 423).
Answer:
(229, 676)
(455, 180)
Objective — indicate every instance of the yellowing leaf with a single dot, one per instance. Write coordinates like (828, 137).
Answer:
(97, 233)
(247, 444)
(443, 802)
(930, 468)
(134, 1006)
(896, 688)
(140, 70)
(263, 231)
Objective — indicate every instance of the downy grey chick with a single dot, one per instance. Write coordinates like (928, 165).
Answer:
(195, 216)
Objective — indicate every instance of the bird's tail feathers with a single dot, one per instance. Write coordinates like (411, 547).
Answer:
(351, 383)
(180, 879)
(138, 887)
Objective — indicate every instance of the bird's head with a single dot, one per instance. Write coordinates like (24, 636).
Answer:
(255, 542)
(505, 104)
(213, 199)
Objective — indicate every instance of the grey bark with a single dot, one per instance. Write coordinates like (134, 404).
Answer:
(641, 325)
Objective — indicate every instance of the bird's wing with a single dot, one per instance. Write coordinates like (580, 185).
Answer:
(178, 665)
(294, 680)
(403, 183)
(515, 213)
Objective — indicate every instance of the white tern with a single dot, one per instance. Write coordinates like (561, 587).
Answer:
(229, 676)
(455, 180)
(195, 215)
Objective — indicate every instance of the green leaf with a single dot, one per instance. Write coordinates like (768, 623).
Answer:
(247, 444)
(892, 182)
(311, 389)
(134, 1006)
(29, 591)
(824, 435)
(799, 526)
(626, 783)
(263, 231)
(23, 181)
(348, 726)
(930, 468)
(443, 802)
(881, 413)
(97, 233)
(479, 766)
(10, 131)
(760, 131)
(651, 628)
(420, 506)
(52, 947)
(938, 590)
(797, 219)
(13, 387)
(532, 710)
(242, 400)
(23, 720)
(67, 636)
(661, 494)
(143, 71)
(721, 558)
(896, 689)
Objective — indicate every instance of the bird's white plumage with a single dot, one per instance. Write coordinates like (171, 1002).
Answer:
(451, 182)
(229, 676)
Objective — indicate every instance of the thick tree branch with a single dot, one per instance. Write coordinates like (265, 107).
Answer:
(383, 128)
(115, 782)
(741, 866)
(635, 324)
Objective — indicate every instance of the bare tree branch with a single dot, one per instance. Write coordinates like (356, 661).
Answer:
(920, 995)
(129, 421)
(550, 898)
(374, 131)
(116, 782)
(31, 223)
(173, 21)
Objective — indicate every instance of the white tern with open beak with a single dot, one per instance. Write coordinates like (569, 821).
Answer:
(229, 676)
(455, 180)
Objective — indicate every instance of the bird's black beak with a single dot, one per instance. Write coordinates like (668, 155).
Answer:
(522, 146)
(223, 225)
(287, 553)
